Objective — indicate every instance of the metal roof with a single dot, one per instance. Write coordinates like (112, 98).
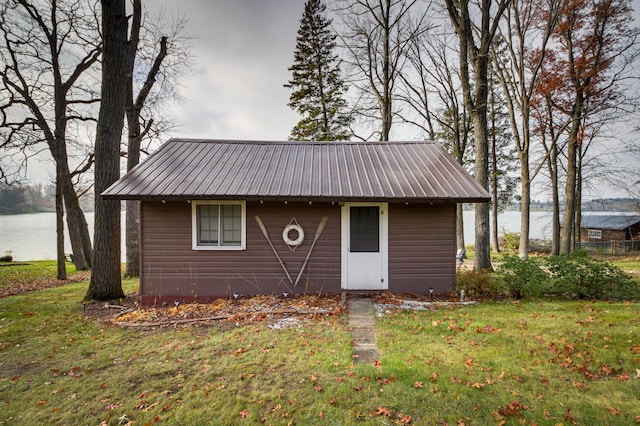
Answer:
(187, 169)
(613, 222)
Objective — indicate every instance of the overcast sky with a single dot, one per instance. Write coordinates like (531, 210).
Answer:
(242, 51)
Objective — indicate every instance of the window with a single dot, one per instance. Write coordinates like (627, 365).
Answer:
(365, 229)
(594, 233)
(218, 225)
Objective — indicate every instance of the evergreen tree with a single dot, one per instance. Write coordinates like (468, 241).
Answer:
(317, 85)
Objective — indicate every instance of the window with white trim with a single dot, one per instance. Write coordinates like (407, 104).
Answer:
(594, 233)
(218, 225)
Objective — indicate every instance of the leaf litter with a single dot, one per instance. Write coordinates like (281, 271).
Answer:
(278, 311)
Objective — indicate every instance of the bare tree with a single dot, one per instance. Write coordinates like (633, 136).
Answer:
(431, 90)
(106, 282)
(529, 25)
(475, 45)
(163, 50)
(376, 37)
(48, 51)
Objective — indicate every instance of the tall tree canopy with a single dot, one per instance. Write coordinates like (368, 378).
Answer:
(48, 53)
(582, 77)
(377, 35)
(318, 88)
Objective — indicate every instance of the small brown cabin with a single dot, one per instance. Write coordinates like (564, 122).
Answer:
(252, 217)
(597, 228)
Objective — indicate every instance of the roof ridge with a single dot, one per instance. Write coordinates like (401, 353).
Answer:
(271, 142)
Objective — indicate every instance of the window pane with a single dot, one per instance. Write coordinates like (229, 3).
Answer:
(208, 224)
(231, 224)
(365, 229)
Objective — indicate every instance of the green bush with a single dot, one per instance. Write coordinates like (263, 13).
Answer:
(478, 285)
(522, 277)
(510, 240)
(584, 277)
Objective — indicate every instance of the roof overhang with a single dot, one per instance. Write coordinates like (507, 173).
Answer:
(396, 172)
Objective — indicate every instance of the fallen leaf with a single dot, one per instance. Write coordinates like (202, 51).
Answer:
(624, 377)
(614, 411)
(579, 385)
(382, 411)
(418, 385)
(568, 415)
(245, 413)
(404, 420)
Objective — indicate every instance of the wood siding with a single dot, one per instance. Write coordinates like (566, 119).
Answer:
(421, 252)
(422, 248)
(607, 235)
(631, 233)
(172, 269)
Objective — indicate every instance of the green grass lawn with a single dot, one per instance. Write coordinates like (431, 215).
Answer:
(548, 362)
(31, 271)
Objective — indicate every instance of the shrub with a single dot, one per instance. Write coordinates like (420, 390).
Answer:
(478, 285)
(510, 240)
(522, 277)
(584, 277)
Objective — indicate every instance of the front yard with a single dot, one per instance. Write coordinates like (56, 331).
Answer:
(542, 362)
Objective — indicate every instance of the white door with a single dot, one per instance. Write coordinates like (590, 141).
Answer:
(364, 246)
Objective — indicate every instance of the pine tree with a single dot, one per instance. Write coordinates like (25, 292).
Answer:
(317, 85)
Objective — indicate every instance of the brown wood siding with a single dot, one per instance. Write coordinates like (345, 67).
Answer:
(172, 268)
(421, 248)
(607, 235)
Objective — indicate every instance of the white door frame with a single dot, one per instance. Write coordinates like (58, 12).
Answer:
(383, 283)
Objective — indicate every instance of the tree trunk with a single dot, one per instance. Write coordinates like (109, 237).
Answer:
(570, 186)
(481, 134)
(555, 194)
(482, 260)
(77, 227)
(525, 211)
(62, 268)
(76, 222)
(476, 103)
(132, 220)
(460, 226)
(494, 178)
(578, 222)
(106, 282)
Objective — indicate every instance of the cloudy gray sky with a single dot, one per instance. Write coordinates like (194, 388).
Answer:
(242, 52)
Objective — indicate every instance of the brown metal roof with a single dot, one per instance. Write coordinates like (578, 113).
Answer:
(186, 169)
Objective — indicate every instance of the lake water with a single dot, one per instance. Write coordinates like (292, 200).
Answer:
(33, 236)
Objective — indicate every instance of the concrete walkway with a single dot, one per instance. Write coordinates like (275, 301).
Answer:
(363, 330)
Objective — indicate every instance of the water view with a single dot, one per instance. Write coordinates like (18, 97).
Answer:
(33, 236)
